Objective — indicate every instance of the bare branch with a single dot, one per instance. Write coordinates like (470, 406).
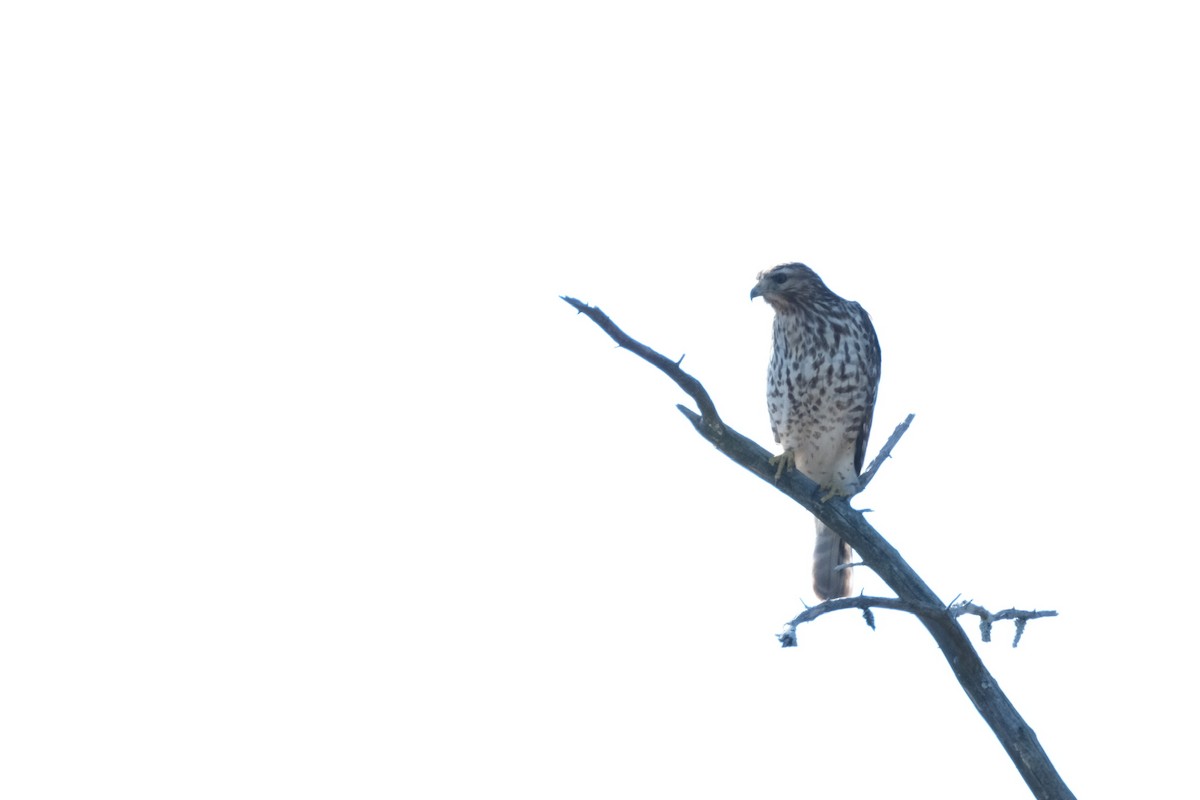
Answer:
(986, 618)
(865, 602)
(788, 637)
(884, 454)
(1014, 734)
(708, 411)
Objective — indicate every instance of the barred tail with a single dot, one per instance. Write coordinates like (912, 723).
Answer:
(828, 581)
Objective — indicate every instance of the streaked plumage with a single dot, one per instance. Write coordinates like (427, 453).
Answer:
(821, 387)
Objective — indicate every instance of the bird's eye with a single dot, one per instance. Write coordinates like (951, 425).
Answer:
(779, 277)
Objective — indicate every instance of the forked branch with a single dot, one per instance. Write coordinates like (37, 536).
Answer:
(986, 618)
(865, 603)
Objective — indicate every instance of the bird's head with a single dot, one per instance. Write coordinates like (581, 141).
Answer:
(788, 286)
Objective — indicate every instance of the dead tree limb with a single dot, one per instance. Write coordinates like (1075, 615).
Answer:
(986, 618)
(884, 454)
(865, 603)
(1015, 735)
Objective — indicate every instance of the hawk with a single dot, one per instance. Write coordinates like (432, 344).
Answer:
(821, 388)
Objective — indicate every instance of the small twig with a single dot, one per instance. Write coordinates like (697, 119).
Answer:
(884, 453)
(708, 411)
(987, 618)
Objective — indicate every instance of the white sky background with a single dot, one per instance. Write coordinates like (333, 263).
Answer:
(313, 488)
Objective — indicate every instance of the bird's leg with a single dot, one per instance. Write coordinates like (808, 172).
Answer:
(783, 462)
(839, 486)
(786, 461)
(835, 491)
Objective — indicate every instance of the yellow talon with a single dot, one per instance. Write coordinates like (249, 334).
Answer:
(782, 462)
(836, 491)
